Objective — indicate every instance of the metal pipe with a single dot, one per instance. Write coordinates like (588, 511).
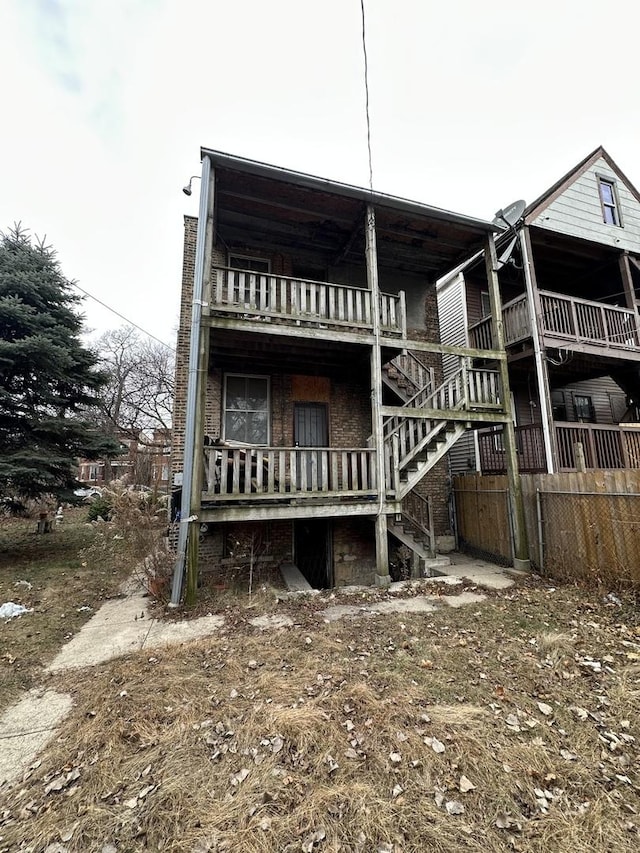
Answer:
(192, 386)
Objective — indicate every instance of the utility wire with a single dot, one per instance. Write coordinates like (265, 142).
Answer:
(118, 314)
(366, 92)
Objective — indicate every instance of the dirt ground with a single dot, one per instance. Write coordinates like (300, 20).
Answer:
(511, 724)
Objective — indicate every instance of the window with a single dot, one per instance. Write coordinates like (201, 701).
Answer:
(485, 303)
(609, 202)
(246, 409)
(584, 408)
(244, 262)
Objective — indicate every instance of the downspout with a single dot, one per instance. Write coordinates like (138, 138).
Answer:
(545, 414)
(192, 387)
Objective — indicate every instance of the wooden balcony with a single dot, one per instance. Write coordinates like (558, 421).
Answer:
(251, 296)
(604, 446)
(261, 475)
(566, 321)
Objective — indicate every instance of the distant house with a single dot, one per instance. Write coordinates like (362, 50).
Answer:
(322, 418)
(145, 460)
(569, 280)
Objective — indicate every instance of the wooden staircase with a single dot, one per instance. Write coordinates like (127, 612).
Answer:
(417, 441)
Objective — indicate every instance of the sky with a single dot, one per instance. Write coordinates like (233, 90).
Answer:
(473, 104)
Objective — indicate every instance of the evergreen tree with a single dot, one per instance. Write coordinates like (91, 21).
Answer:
(48, 379)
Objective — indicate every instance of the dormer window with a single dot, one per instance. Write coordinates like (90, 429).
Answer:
(609, 202)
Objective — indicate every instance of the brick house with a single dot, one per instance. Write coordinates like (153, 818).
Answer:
(569, 289)
(318, 408)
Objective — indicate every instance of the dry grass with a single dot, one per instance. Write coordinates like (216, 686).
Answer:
(328, 737)
(66, 588)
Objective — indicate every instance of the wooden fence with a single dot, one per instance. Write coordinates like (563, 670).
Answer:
(583, 526)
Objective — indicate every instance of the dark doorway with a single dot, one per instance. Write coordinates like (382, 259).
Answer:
(312, 551)
(310, 429)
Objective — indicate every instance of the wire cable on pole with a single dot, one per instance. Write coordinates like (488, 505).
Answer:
(366, 93)
(118, 314)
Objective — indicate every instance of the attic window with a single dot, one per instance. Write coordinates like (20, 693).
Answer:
(609, 202)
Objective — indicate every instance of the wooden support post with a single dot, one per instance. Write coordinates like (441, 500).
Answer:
(630, 293)
(537, 335)
(193, 549)
(580, 460)
(520, 544)
(383, 577)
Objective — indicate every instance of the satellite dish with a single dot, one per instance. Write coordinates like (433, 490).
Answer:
(506, 254)
(508, 216)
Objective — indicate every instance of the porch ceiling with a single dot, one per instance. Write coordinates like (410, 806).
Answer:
(577, 267)
(268, 208)
(232, 350)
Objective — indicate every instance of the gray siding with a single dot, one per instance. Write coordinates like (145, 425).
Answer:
(577, 211)
(452, 312)
(607, 398)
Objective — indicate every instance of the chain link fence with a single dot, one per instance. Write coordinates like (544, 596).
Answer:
(592, 536)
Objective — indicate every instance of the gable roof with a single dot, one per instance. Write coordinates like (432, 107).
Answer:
(536, 207)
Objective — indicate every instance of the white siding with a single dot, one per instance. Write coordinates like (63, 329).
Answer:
(452, 314)
(577, 211)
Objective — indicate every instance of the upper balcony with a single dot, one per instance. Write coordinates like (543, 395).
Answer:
(566, 322)
(328, 309)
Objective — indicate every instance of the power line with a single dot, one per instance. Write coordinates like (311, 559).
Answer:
(118, 314)
(366, 92)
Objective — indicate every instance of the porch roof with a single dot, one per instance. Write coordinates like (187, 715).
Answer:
(281, 208)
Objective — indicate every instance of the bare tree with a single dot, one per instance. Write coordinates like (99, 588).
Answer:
(137, 399)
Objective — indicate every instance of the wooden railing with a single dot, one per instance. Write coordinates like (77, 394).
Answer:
(564, 317)
(593, 322)
(246, 473)
(417, 510)
(529, 445)
(260, 296)
(604, 446)
(411, 372)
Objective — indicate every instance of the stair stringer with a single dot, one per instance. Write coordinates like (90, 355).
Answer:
(433, 457)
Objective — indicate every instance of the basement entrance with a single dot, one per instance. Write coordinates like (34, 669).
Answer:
(312, 551)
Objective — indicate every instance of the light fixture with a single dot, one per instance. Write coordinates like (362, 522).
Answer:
(187, 189)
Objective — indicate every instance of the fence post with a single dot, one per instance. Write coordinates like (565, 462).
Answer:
(578, 452)
(540, 536)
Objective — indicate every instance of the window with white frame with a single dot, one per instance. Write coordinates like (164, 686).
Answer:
(609, 201)
(246, 409)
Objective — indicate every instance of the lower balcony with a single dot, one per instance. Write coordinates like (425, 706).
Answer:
(603, 445)
(287, 477)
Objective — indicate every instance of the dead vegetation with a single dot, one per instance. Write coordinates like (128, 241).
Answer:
(512, 726)
(52, 574)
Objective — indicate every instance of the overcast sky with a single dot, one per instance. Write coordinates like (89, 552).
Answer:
(474, 103)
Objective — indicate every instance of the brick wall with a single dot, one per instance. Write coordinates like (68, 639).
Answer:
(354, 552)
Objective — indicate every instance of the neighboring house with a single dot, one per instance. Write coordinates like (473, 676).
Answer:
(569, 283)
(324, 422)
(145, 461)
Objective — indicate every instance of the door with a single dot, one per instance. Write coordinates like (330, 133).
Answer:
(312, 551)
(310, 429)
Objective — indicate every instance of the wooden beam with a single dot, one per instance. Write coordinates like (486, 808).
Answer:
(356, 229)
(520, 544)
(497, 417)
(383, 577)
(428, 346)
(310, 510)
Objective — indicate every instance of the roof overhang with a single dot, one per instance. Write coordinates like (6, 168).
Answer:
(290, 210)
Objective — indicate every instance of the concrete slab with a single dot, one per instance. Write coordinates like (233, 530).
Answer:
(340, 611)
(174, 633)
(463, 599)
(489, 580)
(268, 622)
(27, 727)
(294, 579)
(100, 641)
(116, 611)
(419, 604)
